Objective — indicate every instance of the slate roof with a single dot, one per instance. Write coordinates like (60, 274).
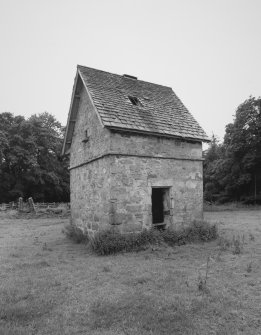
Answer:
(159, 110)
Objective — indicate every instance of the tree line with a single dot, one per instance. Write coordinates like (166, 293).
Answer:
(232, 169)
(30, 159)
(31, 164)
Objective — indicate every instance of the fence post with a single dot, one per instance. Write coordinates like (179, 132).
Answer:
(20, 204)
(31, 204)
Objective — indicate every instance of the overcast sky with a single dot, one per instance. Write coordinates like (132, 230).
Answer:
(208, 51)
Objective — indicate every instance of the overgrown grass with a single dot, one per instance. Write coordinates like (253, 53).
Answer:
(151, 315)
(200, 231)
(236, 244)
(111, 241)
(51, 286)
(22, 308)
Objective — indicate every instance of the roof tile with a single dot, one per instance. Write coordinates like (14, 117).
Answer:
(160, 112)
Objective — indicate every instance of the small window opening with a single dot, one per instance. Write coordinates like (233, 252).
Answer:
(160, 206)
(86, 137)
(135, 101)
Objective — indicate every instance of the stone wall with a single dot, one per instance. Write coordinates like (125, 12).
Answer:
(132, 179)
(99, 137)
(90, 194)
(116, 188)
(139, 144)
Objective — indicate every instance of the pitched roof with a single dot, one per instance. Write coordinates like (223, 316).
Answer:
(159, 110)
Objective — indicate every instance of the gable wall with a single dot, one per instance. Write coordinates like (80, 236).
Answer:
(99, 137)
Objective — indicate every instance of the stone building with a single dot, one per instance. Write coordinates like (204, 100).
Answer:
(135, 154)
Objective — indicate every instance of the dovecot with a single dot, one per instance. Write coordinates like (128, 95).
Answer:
(135, 154)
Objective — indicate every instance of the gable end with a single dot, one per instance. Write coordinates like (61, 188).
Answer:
(79, 83)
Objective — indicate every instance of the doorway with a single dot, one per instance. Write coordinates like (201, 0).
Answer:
(160, 204)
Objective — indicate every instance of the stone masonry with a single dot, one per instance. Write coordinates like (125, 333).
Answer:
(130, 179)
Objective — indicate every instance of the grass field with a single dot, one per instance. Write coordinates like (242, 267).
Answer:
(48, 285)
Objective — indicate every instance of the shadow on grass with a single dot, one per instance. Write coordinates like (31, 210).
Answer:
(142, 314)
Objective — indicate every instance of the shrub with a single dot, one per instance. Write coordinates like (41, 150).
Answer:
(203, 231)
(107, 242)
(111, 241)
(197, 231)
(75, 233)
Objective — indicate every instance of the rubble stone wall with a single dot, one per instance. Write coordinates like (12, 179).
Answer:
(98, 137)
(90, 194)
(113, 173)
(140, 144)
(132, 180)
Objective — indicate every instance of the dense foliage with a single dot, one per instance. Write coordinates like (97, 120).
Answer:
(30, 159)
(232, 169)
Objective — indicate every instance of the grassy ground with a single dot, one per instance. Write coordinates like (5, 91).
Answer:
(50, 286)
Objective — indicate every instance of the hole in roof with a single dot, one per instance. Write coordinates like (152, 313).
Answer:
(135, 101)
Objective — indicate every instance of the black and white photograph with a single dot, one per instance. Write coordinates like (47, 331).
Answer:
(130, 167)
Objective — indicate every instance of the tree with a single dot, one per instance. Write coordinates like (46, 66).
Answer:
(233, 169)
(213, 159)
(30, 160)
(242, 144)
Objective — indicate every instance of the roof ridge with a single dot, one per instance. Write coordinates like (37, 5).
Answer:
(119, 75)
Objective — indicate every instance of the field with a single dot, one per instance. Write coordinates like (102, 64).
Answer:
(48, 285)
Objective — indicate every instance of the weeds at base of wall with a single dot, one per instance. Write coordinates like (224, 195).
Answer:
(112, 241)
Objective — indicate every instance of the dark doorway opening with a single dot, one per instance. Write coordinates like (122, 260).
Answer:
(160, 199)
(157, 205)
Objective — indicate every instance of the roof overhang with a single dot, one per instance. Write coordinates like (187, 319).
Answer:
(74, 105)
(151, 133)
(79, 84)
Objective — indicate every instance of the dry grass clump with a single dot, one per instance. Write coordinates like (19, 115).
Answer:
(200, 231)
(74, 233)
(235, 245)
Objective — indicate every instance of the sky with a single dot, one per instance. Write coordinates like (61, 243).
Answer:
(208, 51)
